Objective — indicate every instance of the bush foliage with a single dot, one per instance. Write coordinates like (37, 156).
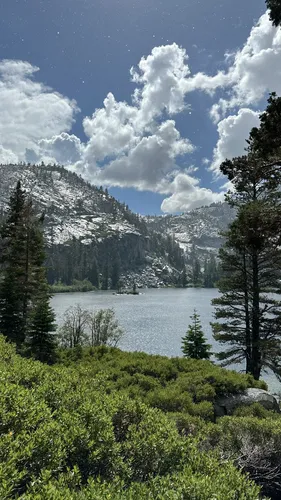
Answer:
(76, 286)
(169, 384)
(84, 431)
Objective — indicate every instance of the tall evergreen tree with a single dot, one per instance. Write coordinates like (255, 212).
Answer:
(196, 272)
(23, 284)
(234, 303)
(211, 273)
(115, 274)
(251, 258)
(274, 7)
(12, 290)
(265, 141)
(41, 340)
(93, 274)
(105, 277)
(196, 275)
(251, 262)
(40, 337)
(194, 344)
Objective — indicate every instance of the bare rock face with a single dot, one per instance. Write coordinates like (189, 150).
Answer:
(227, 405)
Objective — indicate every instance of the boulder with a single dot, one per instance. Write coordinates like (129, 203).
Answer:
(226, 405)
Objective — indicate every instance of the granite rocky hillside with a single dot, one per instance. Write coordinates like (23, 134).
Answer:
(90, 234)
(199, 228)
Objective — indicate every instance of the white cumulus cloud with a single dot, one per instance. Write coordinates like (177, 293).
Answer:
(233, 132)
(64, 148)
(8, 157)
(255, 70)
(251, 72)
(134, 144)
(163, 77)
(188, 195)
(29, 111)
(149, 162)
(111, 130)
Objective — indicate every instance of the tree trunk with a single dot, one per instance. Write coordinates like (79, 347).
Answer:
(26, 284)
(256, 353)
(247, 321)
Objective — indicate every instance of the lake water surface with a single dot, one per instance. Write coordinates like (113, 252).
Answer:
(156, 320)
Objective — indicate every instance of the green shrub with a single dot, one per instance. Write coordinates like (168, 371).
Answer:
(255, 410)
(76, 286)
(69, 433)
(170, 399)
(188, 425)
(207, 482)
(172, 385)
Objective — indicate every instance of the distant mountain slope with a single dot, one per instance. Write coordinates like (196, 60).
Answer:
(200, 227)
(85, 226)
(73, 207)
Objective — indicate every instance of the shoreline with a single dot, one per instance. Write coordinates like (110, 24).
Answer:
(72, 289)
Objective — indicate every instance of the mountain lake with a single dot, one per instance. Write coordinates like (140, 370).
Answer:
(154, 321)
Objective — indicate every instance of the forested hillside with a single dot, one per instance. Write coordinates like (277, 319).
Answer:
(90, 235)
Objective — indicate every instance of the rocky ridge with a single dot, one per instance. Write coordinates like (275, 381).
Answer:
(73, 208)
(200, 227)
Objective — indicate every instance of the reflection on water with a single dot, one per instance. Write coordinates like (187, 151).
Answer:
(156, 320)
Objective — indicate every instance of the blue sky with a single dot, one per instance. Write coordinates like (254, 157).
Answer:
(206, 68)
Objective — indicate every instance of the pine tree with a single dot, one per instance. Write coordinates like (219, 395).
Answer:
(115, 274)
(41, 339)
(194, 344)
(12, 289)
(183, 278)
(266, 140)
(196, 272)
(93, 274)
(23, 284)
(234, 303)
(274, 7)
(251, 258)
(251, 261)
(211, 274)
(105, 277)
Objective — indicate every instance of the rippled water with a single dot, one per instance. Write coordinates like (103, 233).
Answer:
(156, 320)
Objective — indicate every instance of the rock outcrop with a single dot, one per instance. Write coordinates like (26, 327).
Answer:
(227, 405)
